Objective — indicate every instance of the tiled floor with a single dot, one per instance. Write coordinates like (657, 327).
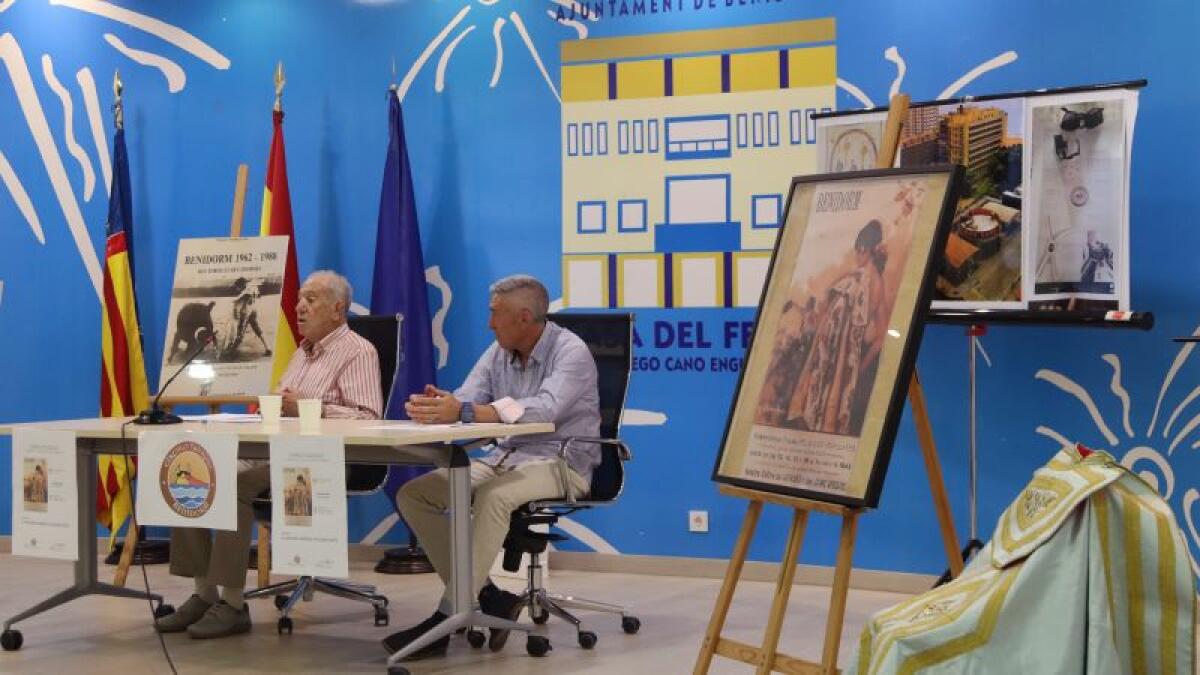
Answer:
(108, 635)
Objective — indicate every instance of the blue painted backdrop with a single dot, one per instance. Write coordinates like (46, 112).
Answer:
(487, 171)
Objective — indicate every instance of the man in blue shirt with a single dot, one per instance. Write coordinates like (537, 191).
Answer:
(535, 371)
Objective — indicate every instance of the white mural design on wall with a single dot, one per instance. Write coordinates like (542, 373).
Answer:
(17, 68)
(498, 25)
(1145, 457)
(433, 277)
(892, 54)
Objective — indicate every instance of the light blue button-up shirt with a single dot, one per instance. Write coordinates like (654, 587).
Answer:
(557, 384)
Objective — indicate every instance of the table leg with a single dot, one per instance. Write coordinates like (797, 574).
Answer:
(86, 567)
(465, 614)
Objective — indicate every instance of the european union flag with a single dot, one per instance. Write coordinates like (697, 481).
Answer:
(399, 283)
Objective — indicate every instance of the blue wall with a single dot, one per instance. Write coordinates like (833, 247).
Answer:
(487, 165)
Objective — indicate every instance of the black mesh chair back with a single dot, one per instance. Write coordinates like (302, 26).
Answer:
(382, 331)
(610, 339)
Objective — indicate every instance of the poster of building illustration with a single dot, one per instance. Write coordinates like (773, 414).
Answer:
(1042, 218)
(224, 312)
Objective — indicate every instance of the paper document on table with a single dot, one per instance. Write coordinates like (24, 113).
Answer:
(44, 499)
(308, 506)
(234, 418)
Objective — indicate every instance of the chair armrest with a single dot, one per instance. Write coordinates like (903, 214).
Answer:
(622, 449)
(623, 454)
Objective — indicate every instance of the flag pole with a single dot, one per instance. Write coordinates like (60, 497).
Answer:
(118, 105)
(280, 80)
(409, 559)
(135, 547)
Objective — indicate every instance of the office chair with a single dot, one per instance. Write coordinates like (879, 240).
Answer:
(610, 339)
(382, 331)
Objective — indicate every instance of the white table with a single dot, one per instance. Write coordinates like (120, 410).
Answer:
(366, 441)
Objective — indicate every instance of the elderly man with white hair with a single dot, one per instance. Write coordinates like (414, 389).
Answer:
(332, 364)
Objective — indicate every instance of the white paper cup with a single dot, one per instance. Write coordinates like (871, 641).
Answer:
(269, 406)
(310, 415)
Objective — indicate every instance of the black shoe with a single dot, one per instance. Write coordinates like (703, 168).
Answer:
(499, 603)
(399, 640)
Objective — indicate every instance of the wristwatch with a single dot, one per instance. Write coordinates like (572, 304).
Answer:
(467, 413)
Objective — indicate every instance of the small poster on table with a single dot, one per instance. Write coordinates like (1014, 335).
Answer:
(308, 506)
(45, 500)
(187, 479)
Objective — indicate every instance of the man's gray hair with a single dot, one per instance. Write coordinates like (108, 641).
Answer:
(528, 291)
(336, 285)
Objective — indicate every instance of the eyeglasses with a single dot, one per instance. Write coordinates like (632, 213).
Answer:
(1073, 120)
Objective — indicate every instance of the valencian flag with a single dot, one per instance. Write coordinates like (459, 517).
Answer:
(399, 282)
(123, 388)
(277, 220)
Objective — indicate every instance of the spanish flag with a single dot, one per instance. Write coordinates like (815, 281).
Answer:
(123, 388)
(277, 219)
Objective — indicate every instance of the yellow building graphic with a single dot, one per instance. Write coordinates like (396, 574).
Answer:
(974, 136)
(678, 150)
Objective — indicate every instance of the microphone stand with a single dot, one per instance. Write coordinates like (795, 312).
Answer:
(156, 415)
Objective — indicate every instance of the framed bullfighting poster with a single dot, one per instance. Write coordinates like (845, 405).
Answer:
(225, 306)
(838, 328)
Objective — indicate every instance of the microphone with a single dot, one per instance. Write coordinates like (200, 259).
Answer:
(156, 415)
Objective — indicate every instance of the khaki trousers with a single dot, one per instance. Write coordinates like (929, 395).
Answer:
(221, 556)
(496, 492)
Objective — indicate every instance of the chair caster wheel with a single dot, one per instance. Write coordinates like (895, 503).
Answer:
(630, 624)
(476, 638)
(381, 616)
(540, 618)
(280, 602)
(284, 625)
(536, 645)
(397, 670)
(163, 609)
(11, 640)
(587, 639)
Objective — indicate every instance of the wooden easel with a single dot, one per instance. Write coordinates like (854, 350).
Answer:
(214, 403)
(766, 658)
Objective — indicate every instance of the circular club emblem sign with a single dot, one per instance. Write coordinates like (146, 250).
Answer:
(187, 479)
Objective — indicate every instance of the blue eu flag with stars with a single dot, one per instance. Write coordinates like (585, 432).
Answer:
(399, 281)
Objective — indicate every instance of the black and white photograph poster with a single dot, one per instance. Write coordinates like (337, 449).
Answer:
(225, 305)
(1079, 211)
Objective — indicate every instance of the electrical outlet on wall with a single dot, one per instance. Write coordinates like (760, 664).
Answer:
(697, 521)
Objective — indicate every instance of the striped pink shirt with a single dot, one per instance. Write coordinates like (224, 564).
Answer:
(342, 370)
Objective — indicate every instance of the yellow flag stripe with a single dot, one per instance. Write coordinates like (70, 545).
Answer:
(285, 346)
(106, 347)
(264, 220)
